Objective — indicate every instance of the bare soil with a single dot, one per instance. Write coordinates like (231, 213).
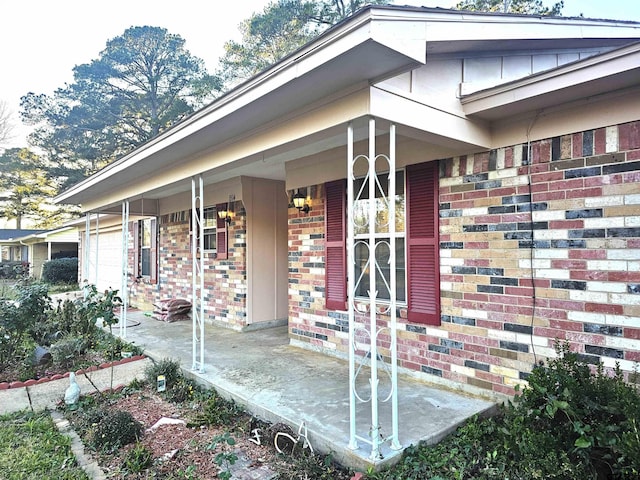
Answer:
(181, 451)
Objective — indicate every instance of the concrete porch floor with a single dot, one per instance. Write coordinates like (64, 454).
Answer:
(278, 382)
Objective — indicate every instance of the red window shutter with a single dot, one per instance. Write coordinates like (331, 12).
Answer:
(221, 234)
(335, 255)
(423, 259)
(136, 248)
(153, 267)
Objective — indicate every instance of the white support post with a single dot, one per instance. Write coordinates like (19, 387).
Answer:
(373, 236)
(124, 293)
(373, 293)
(393, 310)
(353, 443)
(197, 270)
(97, 249)
(85, 254)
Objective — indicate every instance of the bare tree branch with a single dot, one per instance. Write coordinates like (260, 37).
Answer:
(6, 123)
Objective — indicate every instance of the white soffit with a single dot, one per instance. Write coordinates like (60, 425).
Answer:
(615, 70)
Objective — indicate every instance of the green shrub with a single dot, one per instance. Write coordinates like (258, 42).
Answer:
(97, 305)
(593, 416)
(60, 270)
(66, 350)
(113, 346)
(19, 319)
(13, 270)
(216, 411)
(10, 335)
(573, 421)
(138, 458)
(167, 367)
(109, 430)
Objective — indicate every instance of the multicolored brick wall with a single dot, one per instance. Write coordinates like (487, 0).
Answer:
(309, 321)
(557, 221)
(225, 280)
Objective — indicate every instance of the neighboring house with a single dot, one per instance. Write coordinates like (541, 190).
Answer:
(35, 247)
(516, 142)
(10, 247)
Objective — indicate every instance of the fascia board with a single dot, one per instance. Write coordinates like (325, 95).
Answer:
(492, 27)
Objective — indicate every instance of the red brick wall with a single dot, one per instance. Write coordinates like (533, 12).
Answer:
(225, 280)
(562, 216)
(309, 321)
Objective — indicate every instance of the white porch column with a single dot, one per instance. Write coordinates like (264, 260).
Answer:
(372, 236)
(197, 269)
(85, 253)
(97, 249)
(124, 289)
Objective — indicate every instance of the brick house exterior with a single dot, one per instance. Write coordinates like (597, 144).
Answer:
(557, 221)
(225, 279)
(518, 159)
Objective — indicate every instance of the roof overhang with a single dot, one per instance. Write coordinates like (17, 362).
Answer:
(365, 49)
(340, 66)
(609, 72)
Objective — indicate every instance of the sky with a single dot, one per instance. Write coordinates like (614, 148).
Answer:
(42, 40)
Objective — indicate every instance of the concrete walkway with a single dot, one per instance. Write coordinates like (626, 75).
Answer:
(47, 395)
(281, 383)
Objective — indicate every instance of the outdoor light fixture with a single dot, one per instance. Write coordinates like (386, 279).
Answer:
(227, 213)
(299, 201)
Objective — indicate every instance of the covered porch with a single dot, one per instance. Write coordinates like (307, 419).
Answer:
(278, 382)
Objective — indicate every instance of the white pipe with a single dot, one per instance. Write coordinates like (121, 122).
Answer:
(125, 268)
(201, 299)
(197, 272)
(395, 442)
(373, 380)
(353, 443)
(97, 244)
(85, 254)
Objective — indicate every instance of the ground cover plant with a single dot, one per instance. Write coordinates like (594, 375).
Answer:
(573, 421)
(205, 437)
(31, 447)
(39, 338)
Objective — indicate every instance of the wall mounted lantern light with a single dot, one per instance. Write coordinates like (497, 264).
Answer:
(228, 212)
(299, 201)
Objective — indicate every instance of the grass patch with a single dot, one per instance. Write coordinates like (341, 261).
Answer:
(31, 447)
(63, 288)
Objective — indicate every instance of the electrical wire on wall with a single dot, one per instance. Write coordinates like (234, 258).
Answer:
(532, 245)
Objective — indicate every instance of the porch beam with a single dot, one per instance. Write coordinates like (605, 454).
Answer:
(442, 127)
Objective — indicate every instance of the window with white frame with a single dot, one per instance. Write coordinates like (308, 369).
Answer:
(145, 247)
(417, 242)
(209, 222)
(382, 235)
